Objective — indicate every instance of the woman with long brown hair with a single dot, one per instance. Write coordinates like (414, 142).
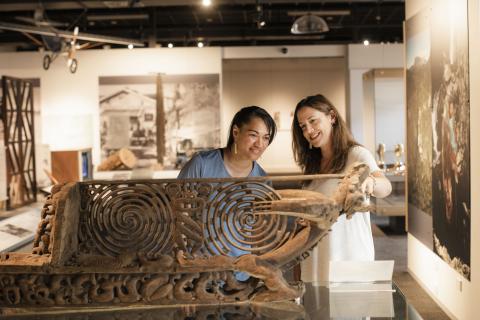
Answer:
(322, 143)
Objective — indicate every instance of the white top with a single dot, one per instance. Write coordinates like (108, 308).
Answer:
(350, 239)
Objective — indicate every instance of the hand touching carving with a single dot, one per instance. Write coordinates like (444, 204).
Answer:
(318, 208)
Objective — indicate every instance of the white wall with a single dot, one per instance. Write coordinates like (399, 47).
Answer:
(306, 51)
(69, 102)
(457, 296)
(389, 113)
(277, 85)
(361, 59)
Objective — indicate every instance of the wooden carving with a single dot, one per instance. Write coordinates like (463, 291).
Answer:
(16, 113)
(171, 242)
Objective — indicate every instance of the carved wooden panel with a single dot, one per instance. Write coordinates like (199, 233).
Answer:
(199, 218)
(171, 242)
(17, 117)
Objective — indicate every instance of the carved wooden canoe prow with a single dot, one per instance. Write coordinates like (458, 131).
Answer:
(169, 242)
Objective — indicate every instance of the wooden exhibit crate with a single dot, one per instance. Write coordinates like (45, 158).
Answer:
(72, 165)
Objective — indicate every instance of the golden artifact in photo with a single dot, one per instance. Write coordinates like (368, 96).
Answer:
(171, 242)
(381, 156)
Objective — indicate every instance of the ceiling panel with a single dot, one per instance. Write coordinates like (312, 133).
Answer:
(224, 23)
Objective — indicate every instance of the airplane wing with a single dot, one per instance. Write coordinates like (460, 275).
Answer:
(68, 35)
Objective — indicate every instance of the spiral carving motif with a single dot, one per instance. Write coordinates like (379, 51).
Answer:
(232, 228)
(121, 218)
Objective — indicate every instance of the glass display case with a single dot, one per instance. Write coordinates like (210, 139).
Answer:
(385, 301)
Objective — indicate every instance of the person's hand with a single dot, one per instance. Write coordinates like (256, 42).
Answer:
(368, 185)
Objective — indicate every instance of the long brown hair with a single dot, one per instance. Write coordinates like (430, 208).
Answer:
(342, 140)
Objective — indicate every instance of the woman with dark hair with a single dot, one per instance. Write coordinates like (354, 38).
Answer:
(323, 144)
(251, 132)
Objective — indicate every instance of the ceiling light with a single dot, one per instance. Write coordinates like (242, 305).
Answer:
(309, 24)
(170, 45)
(366, 42)
(200, 44)
(259, 17)
(130, 46)
(206, 3)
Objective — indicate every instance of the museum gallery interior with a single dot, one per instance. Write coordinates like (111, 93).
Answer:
(104, 102)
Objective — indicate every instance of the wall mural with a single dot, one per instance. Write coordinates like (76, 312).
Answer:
(128, 116)
(439, 128)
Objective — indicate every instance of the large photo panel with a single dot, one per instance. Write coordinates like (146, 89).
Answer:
(438, 135)
(189, 110)
(419, 125)
(451, 133)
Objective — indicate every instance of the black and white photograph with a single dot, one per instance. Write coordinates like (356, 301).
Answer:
(128, 116)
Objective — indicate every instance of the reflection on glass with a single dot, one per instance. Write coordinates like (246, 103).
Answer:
(318, 302)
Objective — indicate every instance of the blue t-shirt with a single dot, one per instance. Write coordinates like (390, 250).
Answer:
(209, 164)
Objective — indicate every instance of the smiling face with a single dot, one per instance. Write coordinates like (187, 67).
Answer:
(251, 138)
(316, 126)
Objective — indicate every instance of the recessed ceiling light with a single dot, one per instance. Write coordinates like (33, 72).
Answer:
(206, 3)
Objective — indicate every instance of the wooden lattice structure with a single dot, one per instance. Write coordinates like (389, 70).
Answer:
(172, 242)
(19, 137)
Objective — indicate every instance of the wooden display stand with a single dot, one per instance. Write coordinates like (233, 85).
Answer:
(72, 165)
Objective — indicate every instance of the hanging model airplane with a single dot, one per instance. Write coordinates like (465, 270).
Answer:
(62, 42)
